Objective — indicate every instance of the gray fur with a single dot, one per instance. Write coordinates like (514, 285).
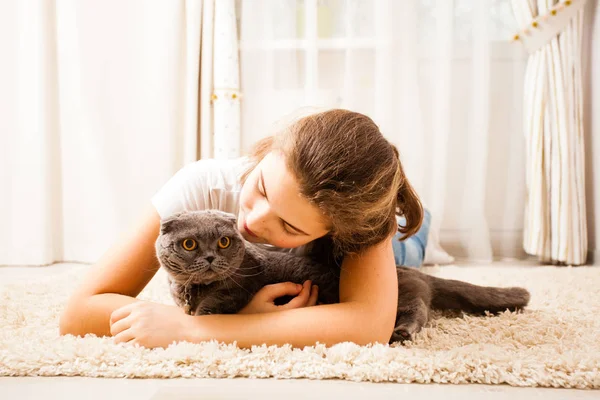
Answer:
(241, 270)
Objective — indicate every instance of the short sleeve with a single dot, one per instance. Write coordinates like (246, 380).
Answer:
(184, 191)
(201, 185)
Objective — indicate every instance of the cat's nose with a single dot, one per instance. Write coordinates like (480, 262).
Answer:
(210, 259)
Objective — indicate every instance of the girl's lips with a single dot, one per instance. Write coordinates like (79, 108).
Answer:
(249, 231)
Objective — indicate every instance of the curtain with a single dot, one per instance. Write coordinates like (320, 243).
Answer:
(440, 78)
(99, 108)
(220, 81)
(555, 218)
(226, 82)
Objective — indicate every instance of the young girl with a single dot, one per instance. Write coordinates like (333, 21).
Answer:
(329, 178)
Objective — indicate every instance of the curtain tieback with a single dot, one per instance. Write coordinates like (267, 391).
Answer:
(544, 28)
(225, 94)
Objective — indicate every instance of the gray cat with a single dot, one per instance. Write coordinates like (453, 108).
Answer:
(213, 270)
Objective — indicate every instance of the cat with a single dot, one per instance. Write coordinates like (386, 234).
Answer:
(212, 269)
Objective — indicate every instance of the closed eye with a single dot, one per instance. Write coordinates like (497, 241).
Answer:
(284, 224)
(287, 229)
(260, 188)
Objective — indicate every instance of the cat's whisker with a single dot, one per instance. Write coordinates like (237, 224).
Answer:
(243, 288)
(189, 280)
(174, 274)
(246, 275)
(226, 284)
(172, 266)
(179, 274)
(248, 268)
(253, 268)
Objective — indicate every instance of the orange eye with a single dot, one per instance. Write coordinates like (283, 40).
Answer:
(224, 242)
(189, 244)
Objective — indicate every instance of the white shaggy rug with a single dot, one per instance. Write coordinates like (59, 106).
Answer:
(555, 343)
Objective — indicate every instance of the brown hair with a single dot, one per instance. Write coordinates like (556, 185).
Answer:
(346, 168)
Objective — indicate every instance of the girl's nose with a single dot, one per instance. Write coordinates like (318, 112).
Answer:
(261, 211)
(259, 217)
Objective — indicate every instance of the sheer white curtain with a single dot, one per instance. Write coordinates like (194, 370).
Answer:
(98, 108)
(439, 77)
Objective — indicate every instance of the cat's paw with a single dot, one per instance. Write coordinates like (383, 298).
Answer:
(400, 335)
(404, 332)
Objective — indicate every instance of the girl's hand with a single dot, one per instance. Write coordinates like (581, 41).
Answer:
(264, 300)
(149, 324)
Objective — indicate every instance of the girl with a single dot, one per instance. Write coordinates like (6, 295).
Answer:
(330, 178)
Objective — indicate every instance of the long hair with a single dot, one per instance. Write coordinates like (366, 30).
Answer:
(346, 168)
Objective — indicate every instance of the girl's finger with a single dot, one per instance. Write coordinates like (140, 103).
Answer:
(124, 336)
(120, 313)
(120, 326)
(300, 300)
(271, 292)
(314, 295)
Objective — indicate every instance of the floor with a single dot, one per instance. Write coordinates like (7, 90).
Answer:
(133, 389)
(68, 388)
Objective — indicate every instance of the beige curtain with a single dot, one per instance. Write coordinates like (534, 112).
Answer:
(555, 215)
(220, 81)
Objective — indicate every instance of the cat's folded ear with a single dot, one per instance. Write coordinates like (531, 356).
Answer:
(169, 223)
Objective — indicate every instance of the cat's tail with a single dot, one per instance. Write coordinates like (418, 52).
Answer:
(449, 294)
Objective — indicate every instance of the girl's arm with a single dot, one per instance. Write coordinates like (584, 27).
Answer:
(368, 296)
(115, 280)
(366, 312)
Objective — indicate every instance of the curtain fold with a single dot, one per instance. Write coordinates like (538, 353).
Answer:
(226, 82)
(220, 94)
(555, 227)
(99, 109)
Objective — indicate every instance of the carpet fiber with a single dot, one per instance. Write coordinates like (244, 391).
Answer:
(554, 343)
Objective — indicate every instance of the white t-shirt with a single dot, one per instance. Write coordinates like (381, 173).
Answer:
(206, 185)
(202, 185)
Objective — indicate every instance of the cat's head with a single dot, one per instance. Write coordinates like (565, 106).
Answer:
(200, 247)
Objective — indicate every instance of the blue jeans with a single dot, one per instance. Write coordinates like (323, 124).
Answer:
(411, 251)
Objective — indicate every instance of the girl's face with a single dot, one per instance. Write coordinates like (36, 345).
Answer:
(272, 210)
